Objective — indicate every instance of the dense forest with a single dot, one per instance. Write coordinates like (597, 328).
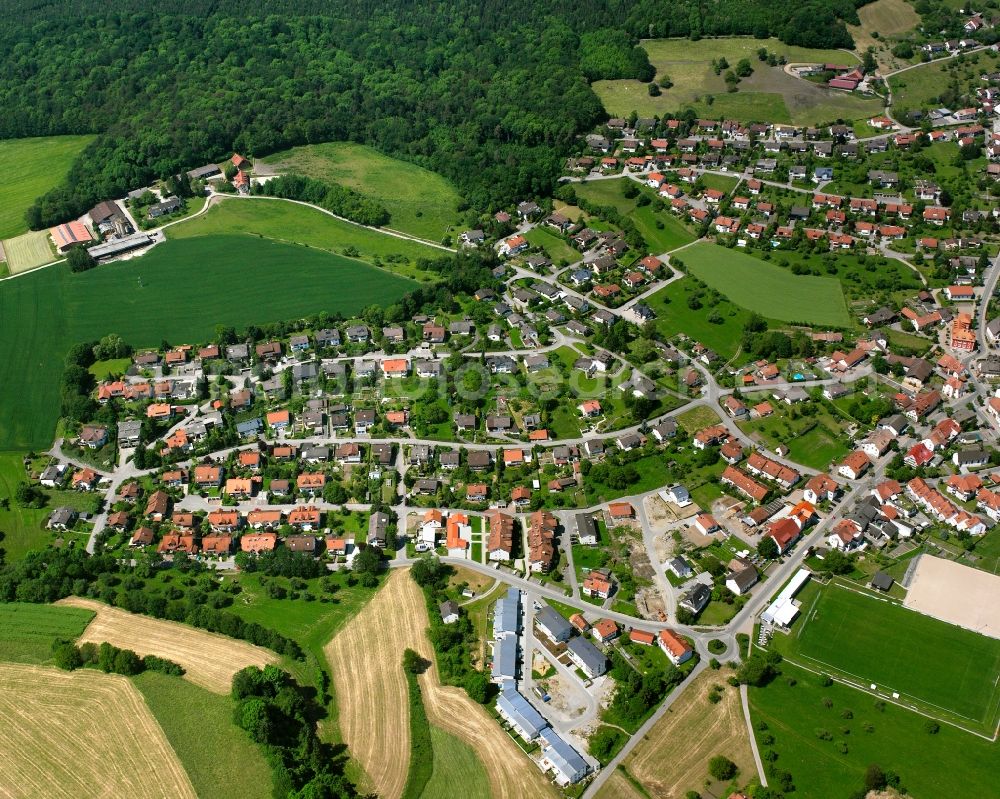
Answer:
(490, 94)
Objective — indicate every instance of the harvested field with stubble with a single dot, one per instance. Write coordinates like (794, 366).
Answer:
(673, 758)
(366, 662)
(82, 733)
(209, 660)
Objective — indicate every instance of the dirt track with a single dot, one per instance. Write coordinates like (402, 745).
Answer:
(366, 660)
(82, 733)
(209, 660)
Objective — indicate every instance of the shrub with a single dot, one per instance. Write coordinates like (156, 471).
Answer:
(722, 768)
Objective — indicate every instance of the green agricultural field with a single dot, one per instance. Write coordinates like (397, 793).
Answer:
(296, 224)
(28, 631)
(457, 770)
(28, 251)
(30, 167)
(892, 737)
(218, 756)
(661, 229)
(871, 640)
(767, 289)
(420, 202)
(769, 94)
(223, 279)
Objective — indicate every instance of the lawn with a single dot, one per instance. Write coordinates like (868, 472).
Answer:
(218, 756)
(674, 315)
(30, 167)
(23, 528)
(768, 289)
(43, 314)
(457, 769)
(861, 277)
(556, 247)
(724, 183)
(101, 370)
(874, 641)
(28, 631)
(813, 440)
(769, 94)
(29, 251)
(697, 418)
(661, 230)
(892, 737)
(297, 224)
(420, 202)
(653, 473)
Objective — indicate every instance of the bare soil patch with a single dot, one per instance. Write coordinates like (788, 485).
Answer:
(82, 733)
(209, 660)
(957, 594)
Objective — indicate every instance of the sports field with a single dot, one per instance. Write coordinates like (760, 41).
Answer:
(27, 631)
(420, 202)
(179, 291)
(769, 290)
(942, 668)
(28, 251)
(28, 169)
(769, 94)
(209, 660)
(82, 733)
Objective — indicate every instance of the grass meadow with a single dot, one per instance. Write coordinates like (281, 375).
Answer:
(767, 289)
(28, 251)
(179, 291)
(674, 316)
(920, 87)
(22, 527)
(944, 669)
(28, 631)
(30, 167)
(290, 223)
(661, 230)
(457, 769)
(769, 94)
(218, 756)
(796, 708)
(420, 202)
